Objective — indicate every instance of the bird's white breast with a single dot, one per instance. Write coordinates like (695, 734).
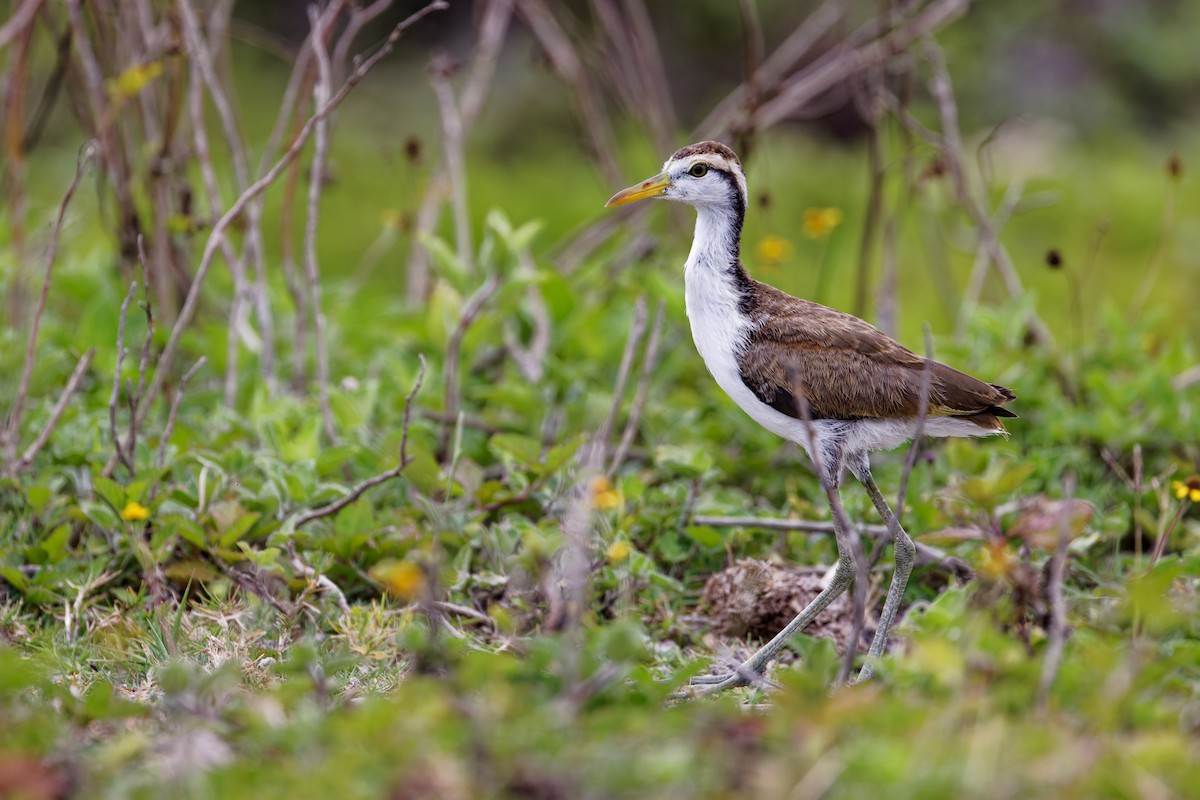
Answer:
(719, 330)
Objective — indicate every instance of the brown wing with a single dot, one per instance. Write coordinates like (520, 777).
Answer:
(848, 369)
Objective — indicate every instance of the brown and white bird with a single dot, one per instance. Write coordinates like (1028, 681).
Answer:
(818, 377)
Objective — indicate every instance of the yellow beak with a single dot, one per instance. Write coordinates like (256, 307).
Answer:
(652, 187)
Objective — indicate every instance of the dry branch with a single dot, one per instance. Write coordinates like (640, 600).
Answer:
(649, 361)
(1058, 607)
(470, 313)
(122, 456)
(170, 426)
(258, 187)
(55, 414)
(14, 415)
(322, 89)
(637, 330)
(20, 19)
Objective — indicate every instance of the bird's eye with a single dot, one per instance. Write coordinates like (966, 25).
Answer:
(698, 170)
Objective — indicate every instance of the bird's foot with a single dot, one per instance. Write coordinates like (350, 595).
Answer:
(745, 675)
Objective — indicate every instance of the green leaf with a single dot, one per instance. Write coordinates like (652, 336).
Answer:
(445, 260)
(15, 578)
(521, 449)
(238, 529)
(38, 496)
(704, 535)
(101, 514)
(57, 543)
(111, 491)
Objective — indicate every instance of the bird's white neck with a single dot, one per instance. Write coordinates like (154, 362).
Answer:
(717, 240)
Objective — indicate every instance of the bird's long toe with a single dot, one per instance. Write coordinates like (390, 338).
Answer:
(705, 680)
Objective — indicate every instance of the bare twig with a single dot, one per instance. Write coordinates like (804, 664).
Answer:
(20, 19)
(637, 330)
(86, 154)
(553, 38)
(259, 186)
(497, 14)
(143, 362)
(979, 268)
(359, 17)
(416, 282)
(113, 158)
(464, 611)
(926, 554)
(122, 456)
(14, 87)
(440, 70)
(773, 70)
(358, 489)
(1186, 379)
(952, 149)
(170, 426)
(778, 524)
(649, 361)
(55, 414)
(316, 176)
(845, 62)
(874, 216)
(485, 54)
(466, 420)
(1058, 606)
(322, 581)
(204, 75)
(531, 361)
(470, 312)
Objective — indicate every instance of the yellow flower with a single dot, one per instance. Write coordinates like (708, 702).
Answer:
(618, 551)
(604, 496)
(820, 222)
(996, 561)
(134, 512)
(133, 80)
(1187, 490)
(773, 250)
(404, 579)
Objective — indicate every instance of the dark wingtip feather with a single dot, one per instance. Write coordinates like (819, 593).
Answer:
(1005, 392)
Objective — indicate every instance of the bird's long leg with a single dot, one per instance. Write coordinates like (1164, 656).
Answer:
(752, 669)
(906, 553)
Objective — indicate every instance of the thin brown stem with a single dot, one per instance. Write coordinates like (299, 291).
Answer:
(637, 330)
(440, 70)
(1057, 634)
(649, 361)
(55, 414)
(170, 426)
(322, 89)
(470, 313)
(20, 19)
(122, 456)
(86, 154)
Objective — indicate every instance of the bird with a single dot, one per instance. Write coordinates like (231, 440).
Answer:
(813, 375)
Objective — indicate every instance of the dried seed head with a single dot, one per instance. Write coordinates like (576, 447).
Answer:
(1174, 167)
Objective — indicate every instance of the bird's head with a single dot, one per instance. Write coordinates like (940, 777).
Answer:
(705, 174)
